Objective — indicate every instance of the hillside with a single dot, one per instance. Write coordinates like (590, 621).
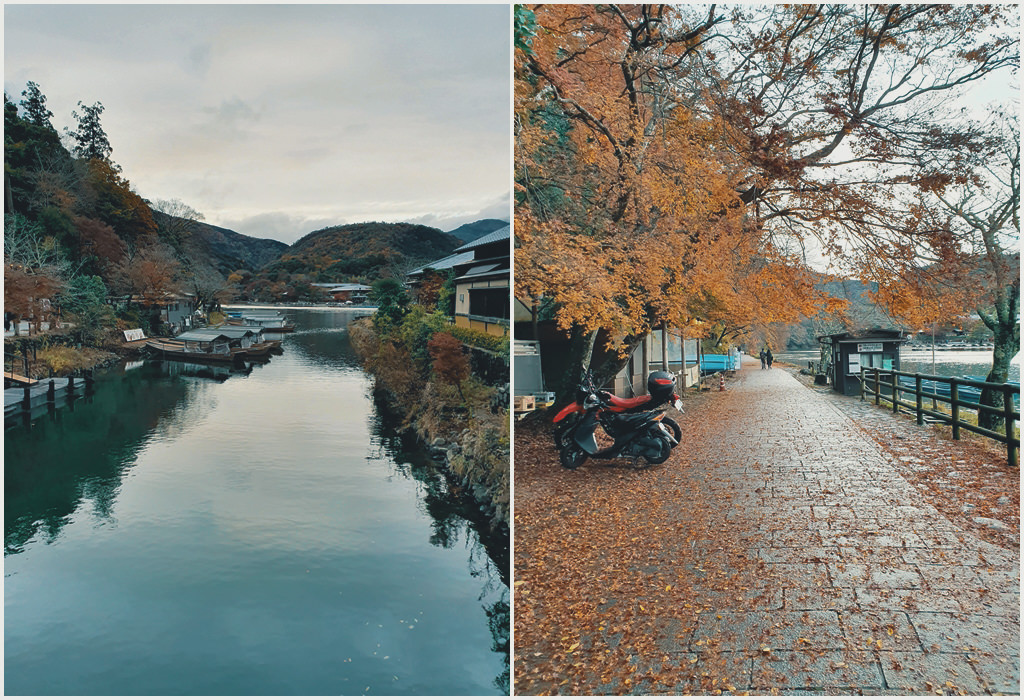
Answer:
(223, 249)
(366, 251)
(473, 231)
(861, 313)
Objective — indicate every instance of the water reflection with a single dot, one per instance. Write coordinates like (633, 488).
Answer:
(81, 452)
(456, 518)
(229, 535)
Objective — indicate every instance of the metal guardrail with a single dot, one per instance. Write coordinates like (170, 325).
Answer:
(871, 382)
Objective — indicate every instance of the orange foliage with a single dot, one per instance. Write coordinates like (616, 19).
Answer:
(647, 224)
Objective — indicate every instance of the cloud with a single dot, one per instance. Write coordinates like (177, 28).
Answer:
(276, 120)
(279, 226)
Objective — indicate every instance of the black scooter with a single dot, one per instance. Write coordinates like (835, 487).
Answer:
(661, 388)
(637, 436)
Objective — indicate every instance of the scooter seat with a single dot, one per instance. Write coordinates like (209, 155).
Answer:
(626, 404)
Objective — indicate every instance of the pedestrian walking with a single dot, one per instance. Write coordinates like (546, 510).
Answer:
(768, 356)
(764, 359)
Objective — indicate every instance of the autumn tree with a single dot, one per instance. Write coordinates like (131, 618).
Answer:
(428, 291)
(35, 269)
(845, 117)
(450, 361)
(651, 141)
(629, 212)
(150, 272)
(119, 206)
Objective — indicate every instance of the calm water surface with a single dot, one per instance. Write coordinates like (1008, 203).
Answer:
(260, 534)
(948, 363)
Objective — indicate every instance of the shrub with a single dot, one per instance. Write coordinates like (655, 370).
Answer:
(451, 364)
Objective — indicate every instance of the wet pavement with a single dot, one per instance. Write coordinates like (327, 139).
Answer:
(880, 594)
(779, 551)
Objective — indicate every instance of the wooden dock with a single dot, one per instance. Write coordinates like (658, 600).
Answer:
(29, 400)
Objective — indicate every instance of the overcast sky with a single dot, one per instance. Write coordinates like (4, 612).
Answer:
(276, 120)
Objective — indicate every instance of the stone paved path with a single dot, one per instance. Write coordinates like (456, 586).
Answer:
(867, 566)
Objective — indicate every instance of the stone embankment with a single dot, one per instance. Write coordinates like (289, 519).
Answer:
(471, 441)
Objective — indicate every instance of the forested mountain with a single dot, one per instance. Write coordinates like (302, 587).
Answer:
(861, 313)
(224, 249)
(369, 250)
(76, 232)
(473, 231)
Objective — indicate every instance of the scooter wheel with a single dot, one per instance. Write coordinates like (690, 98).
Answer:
(666, 452)
(572, 456)
(673, 428)
(563, 433)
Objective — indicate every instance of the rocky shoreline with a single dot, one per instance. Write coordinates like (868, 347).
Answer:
(470, 443)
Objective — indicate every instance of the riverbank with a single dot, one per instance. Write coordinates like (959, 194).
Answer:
(56, 355)
(463, 427)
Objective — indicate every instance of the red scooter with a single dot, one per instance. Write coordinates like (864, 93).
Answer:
(660, 385)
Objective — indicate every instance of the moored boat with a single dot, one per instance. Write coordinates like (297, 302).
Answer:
(247, 339)
(271, 321)
(197, 347)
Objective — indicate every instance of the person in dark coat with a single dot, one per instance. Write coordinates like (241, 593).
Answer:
(768, 356)
(764, 359)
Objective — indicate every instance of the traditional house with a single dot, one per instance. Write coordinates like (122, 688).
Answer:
(344, 291)
(481, 270)
(177, 311)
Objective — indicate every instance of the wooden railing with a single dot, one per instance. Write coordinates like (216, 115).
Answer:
(885, 384)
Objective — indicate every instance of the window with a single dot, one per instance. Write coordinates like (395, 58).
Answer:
(491, 302)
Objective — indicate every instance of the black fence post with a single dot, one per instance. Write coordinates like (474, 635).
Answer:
(954, 407)
(26, 400)
(1011, 450)
(51, 393)
(895, 393)
(71, 388)
(863, 379)
(918, 398)
(878, 392)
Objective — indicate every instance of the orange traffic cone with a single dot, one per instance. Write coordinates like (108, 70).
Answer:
(721, 383)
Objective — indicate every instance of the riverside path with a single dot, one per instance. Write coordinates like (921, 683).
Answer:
(779, 551)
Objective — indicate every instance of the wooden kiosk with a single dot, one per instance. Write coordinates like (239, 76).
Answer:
(852, 351)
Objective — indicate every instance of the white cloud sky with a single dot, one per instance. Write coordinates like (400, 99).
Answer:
(276, 120)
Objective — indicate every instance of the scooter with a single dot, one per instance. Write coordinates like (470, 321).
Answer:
(660, 385)
(637, 435)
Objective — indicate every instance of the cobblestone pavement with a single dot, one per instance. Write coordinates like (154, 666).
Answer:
(872, 590)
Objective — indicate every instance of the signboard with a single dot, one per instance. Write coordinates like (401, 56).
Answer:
(134, 334)
(854, 363)
(869, 347)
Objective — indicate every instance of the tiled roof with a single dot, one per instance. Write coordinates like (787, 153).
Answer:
(502, 234)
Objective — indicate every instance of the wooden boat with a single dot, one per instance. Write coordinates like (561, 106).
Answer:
(248, 339)
(196, 347)
(271, 322)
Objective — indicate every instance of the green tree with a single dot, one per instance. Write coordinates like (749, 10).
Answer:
(392, 302)
(91, 142)
(34, 105)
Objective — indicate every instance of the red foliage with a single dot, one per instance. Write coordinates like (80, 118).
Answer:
(451, 364)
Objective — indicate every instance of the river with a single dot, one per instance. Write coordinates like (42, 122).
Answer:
(261, 534)
(948, 363)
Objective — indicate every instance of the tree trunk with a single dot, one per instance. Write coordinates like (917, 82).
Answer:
(1005, 327)
(585, 351)
(1007, 341)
